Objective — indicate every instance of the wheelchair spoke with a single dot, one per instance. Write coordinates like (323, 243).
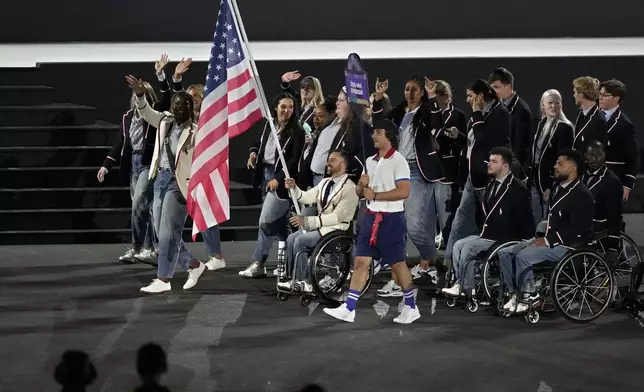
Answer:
(596, 299)
(571, 279)
(571, 299)
(581, 308)
(568, 292)
(588, 272)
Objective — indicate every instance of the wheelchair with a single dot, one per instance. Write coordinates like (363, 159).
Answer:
(330, 265)
(579, 286)
(484, 267)
(625, 271)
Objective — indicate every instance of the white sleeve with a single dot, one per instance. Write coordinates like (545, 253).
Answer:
(401, 170)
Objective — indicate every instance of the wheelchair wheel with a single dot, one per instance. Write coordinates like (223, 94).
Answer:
(581, 286)
(629, 258)
(492, 282)
(330, 264)
(282, 296)
(450, 301)
(472, 306)
(532, 317)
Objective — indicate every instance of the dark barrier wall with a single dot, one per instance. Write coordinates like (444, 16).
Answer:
(103, 85)
(193, 20)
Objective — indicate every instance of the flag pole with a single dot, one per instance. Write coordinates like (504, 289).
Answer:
(266, 108)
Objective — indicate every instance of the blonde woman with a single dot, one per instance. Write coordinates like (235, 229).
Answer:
(554, 133)
(310, 96)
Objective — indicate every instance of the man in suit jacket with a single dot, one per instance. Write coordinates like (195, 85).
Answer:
(508, 216)
(336, 201)
(502, 81)
(607, 192)
(590, 125)
(170, 167)
(622, 149)
(569, 224)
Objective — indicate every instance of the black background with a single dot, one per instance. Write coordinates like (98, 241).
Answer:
(103, 85)
(193, 20)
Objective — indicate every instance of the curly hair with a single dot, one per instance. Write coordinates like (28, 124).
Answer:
(588, 87)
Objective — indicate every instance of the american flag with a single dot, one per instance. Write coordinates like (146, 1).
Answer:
(230, 107)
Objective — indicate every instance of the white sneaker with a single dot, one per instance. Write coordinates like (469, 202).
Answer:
(306, 287)
(432, 273)
(129, 256)
(146, 255)
(215, 264)
(326, 282)
(521, 308)
(417, 272)
(511, 304)
(376, 267)
(285, 286)
(341, 313)
(156, 287)
(438, 240)
(453, 291)
(408, 315)
(387, 287)
(253, 271)
(193, 276)
(391, 289)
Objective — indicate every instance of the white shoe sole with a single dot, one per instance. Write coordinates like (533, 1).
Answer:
(330, 313)
(416, 317)
(196, 280)
(391, 294)
(217, 268)
(155, 292)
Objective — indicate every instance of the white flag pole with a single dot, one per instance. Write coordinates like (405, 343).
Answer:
(241, 31)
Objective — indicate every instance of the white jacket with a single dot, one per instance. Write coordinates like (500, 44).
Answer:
(340, 208)
(183, 157)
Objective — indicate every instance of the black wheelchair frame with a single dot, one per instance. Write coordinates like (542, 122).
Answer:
(339, 244)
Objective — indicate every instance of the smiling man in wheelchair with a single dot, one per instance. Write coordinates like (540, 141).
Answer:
(337, 202)
(569, 224)
(508, 216)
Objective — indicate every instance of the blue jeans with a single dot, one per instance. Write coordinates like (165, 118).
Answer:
(268, 175)
(464, 223)
(466, 250)
(420, 214)
(300, 242)
(525, 256)
(170, 218)
(442, 197)
(212, 239)
(141, 192)
(272, 222)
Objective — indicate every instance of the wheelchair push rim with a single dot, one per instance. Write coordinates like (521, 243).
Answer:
(581, 286)
(334, 253)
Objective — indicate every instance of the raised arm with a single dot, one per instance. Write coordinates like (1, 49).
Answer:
(150, 115)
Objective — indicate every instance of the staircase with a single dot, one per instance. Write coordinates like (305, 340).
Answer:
(50, 153)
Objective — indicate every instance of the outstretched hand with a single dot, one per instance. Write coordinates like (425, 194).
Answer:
(291, 76)
(381, 88)
(160, 64)
(136, 85)
(182, 67)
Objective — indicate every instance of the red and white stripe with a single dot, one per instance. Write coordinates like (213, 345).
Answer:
(229, 110)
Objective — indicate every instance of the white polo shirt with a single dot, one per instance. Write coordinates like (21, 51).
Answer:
(384, 173)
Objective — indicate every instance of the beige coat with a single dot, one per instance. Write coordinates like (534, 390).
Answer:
(340, 208)
(163, 122)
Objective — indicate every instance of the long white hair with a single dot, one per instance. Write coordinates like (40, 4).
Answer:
(552, 93)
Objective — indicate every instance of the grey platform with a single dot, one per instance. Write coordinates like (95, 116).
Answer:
(231, 334)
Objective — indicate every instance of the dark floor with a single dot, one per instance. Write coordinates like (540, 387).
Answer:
(230, 334)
